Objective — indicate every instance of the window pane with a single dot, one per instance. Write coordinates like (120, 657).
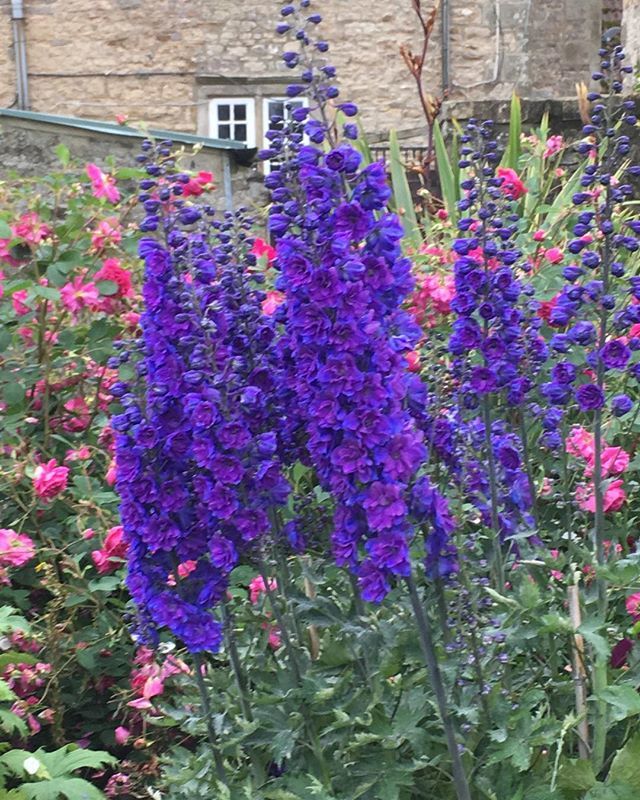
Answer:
(224, 131)
(240, 133)
(276, 108)
(224, 113)
(240, 112)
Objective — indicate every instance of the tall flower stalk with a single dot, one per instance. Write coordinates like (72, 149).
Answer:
(346, 335)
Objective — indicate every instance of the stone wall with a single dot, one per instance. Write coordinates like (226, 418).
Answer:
(161, 60)
(631, 30)
(28, 148)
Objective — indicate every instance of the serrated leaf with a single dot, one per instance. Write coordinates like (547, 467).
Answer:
(70, 788)
(624, 700)
(626, 764)
(5, 230)
(11, 723)
(577, 775)
(617, 791)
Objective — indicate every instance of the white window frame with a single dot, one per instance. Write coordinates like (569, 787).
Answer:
(304, 102)
(214, 121)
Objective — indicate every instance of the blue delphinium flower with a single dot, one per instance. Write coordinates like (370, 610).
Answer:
(198, 450)
(345, 279)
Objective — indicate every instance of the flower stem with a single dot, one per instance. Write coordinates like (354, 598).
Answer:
(431, 660)
(206, 708)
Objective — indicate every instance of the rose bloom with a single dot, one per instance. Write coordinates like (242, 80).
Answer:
(114, 547)
(198, 184)
(614, 497)
(77, 295)
(112, 271)
(102, 185)
(553, 145)
(257, 588)
(107, 232)
(511, 185)
(633, 605)
(81, 454)
(18, 301)
(271, 303)
(30, 228)
(262, 248)
(79, 415)
(50, 479)
(554, 255)
(15, 548)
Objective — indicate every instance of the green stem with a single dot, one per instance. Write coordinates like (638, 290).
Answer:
(206, 709)
(236, 666)
(431, 660)
(296, 672)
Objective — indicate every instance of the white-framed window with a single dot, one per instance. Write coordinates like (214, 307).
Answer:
(278, 107)
(233, 118)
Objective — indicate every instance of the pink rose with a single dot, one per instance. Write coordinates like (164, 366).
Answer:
(257, 588)
(77, 295)
(15, 548)
(271, 303)
(614, 497)
(50, 479)
(554, 255)
(113, 552)
(632, 604)
(19, 302)
(102, 185)
(261, 248)
(121, 734)
(553, 145)
(511, 185)
(107, 232)
(30, 228)
(112, 271)
(539, 236)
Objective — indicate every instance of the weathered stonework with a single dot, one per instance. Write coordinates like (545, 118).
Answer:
(631, 30)
(162, 60)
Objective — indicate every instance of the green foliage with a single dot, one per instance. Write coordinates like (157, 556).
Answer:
(448, 183)
(402, 193)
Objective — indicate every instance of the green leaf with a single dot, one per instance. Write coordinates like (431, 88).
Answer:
(577, 775)
(10, 621)
(445, 173)
(11, 723)
(5, 230)
(13, 393)
(626, 764)
(70, 788)
(62, 151)
(70, 758)
(512, 153)
(625, 701)
(107, 288)
(614, 791)
(402, 193)
(47, 292)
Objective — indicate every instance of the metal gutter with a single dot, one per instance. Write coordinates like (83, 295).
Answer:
(20, 53)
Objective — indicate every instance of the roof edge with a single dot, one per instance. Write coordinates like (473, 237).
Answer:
(101, 126)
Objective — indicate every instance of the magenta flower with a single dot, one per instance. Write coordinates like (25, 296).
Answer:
(50, 479)
(15, 548)
(102, 185)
